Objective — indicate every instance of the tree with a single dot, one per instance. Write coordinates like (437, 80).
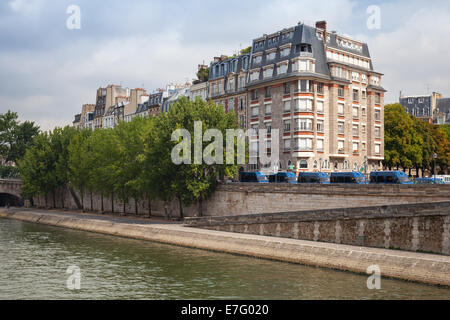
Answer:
(188, 183)
(15, 137)
(246, 50)
(446, 129)
(80, 163)
(203, 74)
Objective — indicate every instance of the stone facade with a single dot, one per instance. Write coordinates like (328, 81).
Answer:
(412, 227)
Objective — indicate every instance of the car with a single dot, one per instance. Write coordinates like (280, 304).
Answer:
(348, 177)
(283, 177)
(389, 177)
(313, 177)
(257, 177)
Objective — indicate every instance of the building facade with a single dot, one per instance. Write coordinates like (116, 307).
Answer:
(421, 106)
(320, 90)
(228, 85)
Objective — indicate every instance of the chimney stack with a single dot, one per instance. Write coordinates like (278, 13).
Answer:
(322, 25)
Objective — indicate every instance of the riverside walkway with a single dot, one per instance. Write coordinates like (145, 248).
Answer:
(411, 266)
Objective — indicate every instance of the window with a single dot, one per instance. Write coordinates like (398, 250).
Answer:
(287, 88)
(319, 125)
(254, 75)
(377, 97)
(305, 86)
(355, 147)
(363, 128)
(355, 95)
(268, 72)
(377, 148)
(241, 82)
(254, 129)
(320, 144)
(304, 144)
(341, 127)
(257, 59)
(287, 106)
(363, 111)
(285, 52)
(255, 111)
(268, 109)
(282, 68)
(375, 80)
(341, 91)
(377, 132)
(231, 85)
(340, 145)
(304, 124)
(267, 95)
(340, 109)
(231, 104)
(364, 146)
(241, 104)
(355, 130)
(287, 144)
(355, 112)
(269, 127)
(363, 78)
(377, 115)
(271, 55)
(241, 120)
(303, 105)
(255, 94)
(320, 106)
(287, 125)
(355, 76)
(304, 65)
(320, 87)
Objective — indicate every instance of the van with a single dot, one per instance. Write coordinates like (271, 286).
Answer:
(389, 177)
(257, 177)
(428, 181)
(283, 177)
(348, 177)
(313, 177)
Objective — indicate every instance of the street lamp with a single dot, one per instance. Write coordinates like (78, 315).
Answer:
(320, 164)
(434, 158)
(365, 167)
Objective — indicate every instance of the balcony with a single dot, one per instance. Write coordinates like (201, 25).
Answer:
(306, 54)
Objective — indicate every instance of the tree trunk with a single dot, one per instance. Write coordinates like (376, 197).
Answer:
(181, 207)
(124, 209)
(200, 207)
(62, 197)
(103, 210)
(82, 200)
(54, 199)
(92, 204)
(112, 202)
(135, 206)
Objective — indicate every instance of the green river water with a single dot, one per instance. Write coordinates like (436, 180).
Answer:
(34, 260)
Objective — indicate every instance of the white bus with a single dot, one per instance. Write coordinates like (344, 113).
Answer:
(445, 178)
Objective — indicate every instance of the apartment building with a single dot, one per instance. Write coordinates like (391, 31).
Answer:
(421, 106)
(228, 84)
(85, 119)
(107, 97)
(320, 90)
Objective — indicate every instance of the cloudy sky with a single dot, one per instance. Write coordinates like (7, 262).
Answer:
(48, 71)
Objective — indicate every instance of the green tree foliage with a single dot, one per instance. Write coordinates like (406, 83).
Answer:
(15, 137)
(246, 50)
(411, 142)
(203, 74)
(446, 129)
(188, 183)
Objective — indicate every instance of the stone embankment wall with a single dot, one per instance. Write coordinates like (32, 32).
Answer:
(413, 227)
(248, 198)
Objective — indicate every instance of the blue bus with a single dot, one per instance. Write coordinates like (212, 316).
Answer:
(283, 177)
(389, 177)
(257, 177)
(313, 177)
(348, 177)
(428, 181)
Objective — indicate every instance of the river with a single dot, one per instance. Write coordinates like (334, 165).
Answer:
(34, 260)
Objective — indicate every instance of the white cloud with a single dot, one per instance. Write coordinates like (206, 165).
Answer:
(26, 7)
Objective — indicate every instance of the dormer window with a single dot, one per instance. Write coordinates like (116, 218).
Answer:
(285, 51)
(257, 59)
(282, 67)
(268, 72)
(271, 55)
(287, 35)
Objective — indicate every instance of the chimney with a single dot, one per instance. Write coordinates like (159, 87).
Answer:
(322, 25)
(216, 59)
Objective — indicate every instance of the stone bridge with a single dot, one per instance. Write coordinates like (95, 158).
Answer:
(10, 192)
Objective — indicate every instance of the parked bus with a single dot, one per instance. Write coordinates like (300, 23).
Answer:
(257, 177)
(348, 177)
(428, 181)
(313, 177)
(389, 177)
(283, 177)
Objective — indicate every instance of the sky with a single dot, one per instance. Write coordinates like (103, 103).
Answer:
(47, 71)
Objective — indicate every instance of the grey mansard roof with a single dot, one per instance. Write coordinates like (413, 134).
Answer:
(443, 106)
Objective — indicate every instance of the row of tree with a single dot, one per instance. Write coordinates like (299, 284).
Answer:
(131, 161)
(411, 142)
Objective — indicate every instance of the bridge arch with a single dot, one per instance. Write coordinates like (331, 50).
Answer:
(10, 192)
